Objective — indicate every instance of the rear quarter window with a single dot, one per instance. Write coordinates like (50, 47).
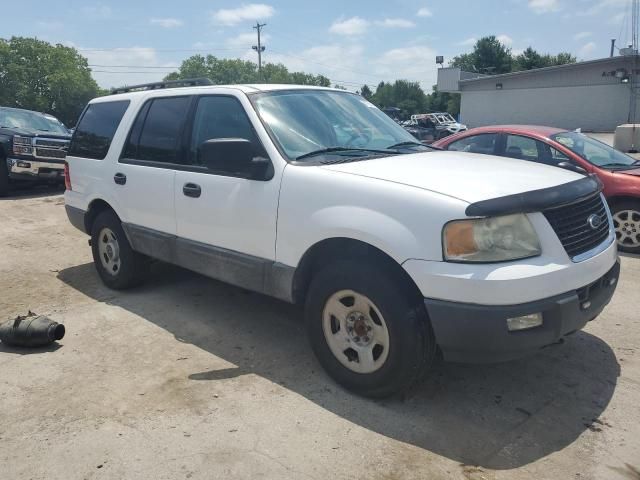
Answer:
(96, 128)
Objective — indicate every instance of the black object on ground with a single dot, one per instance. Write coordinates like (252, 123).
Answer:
(31, 330)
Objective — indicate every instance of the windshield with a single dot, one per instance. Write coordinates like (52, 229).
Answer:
(593, 151)
(307, 121)
(31, 121)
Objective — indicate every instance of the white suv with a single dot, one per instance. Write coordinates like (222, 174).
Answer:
(314, 196)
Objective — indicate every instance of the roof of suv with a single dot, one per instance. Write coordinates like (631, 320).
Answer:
(246, 88)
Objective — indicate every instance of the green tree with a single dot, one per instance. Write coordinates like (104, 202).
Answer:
(402, 94)
(36, 75)
(530, 59)
(224, 71)
(366, 92)
(489, 56)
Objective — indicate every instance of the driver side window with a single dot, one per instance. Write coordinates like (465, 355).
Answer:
(484, 143)
(221, 117)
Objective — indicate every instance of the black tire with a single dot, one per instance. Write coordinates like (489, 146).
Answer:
(4, 177)
(627, 232)
(132, 267)
(411, 341)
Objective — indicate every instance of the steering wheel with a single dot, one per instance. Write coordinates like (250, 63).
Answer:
(358, 134)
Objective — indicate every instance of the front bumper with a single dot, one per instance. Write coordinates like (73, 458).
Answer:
(478, 333)
(31, 169)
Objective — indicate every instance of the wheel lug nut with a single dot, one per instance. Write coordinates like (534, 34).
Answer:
(366, 339)
(356, 339)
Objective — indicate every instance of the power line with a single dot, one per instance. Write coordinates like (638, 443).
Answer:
(166, 67)
(115, 49)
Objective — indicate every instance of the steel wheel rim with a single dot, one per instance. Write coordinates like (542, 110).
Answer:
(355, 331)
(109, 251)
(627, 225)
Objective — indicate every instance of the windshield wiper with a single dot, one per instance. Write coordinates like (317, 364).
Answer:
(342, 149)
(406, 144)
(619, 164)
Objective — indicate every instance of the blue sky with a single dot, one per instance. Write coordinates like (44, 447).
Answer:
(350, 42)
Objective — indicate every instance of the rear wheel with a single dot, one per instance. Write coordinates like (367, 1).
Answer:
(117, 264)
(626, 220)
(4, 177)
(366, 331)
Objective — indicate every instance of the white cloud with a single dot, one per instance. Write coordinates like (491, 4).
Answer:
(602, 6)
(97, 11)
(396, 23)
(344, 64)
(424, 12)
(350, 26)
(415, 63)
(587, 50)
(617, 19)
(504, 39)
(247, 40)
(582, 35)
(49, 24)
(166, 22)
(468, 42)
(544, 6)
(103, 63)
(252, 12)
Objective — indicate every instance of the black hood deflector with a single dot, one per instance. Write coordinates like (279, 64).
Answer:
(536, 200)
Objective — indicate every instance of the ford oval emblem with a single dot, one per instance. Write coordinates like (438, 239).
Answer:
(594, 221)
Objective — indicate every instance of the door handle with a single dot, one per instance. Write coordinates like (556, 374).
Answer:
(191, 190)
(120, 178)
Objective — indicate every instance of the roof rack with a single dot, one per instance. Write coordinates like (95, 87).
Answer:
(187, 82)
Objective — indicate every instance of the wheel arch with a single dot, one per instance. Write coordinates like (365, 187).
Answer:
(96, 207)
(343, 248)
(617, 199)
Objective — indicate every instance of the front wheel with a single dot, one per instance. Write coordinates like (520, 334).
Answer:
(366, 331)
(118, 265)
(4, 177)
(626, 220)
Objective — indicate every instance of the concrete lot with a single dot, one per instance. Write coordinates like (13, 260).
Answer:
(186, 377)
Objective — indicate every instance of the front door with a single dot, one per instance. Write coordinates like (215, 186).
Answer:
(222, 208)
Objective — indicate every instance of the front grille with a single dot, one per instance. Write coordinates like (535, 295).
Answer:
(43, 142)
(45, 148)
(571, 224)
(50, 153)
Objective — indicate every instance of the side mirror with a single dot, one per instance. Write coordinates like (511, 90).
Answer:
(235, 155)
(572, 167)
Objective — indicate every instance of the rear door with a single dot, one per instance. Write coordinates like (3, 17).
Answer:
(144, 175)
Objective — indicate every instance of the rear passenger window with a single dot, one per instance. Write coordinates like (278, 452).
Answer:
(523, 148)
(484, 143)
(156, 134)
(96, 128)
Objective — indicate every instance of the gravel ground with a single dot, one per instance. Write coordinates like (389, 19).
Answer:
(186, 377)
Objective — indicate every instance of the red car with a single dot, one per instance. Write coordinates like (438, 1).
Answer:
(572, 150)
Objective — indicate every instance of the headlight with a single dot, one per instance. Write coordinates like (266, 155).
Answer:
(22, 145)
(495, 239)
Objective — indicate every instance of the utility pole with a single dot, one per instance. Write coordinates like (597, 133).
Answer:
(259, 48)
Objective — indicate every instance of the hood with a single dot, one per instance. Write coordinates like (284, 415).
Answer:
(635, 172)
(27, 132)
(469, 177)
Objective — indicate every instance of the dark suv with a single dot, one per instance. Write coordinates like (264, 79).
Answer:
(33, 146)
